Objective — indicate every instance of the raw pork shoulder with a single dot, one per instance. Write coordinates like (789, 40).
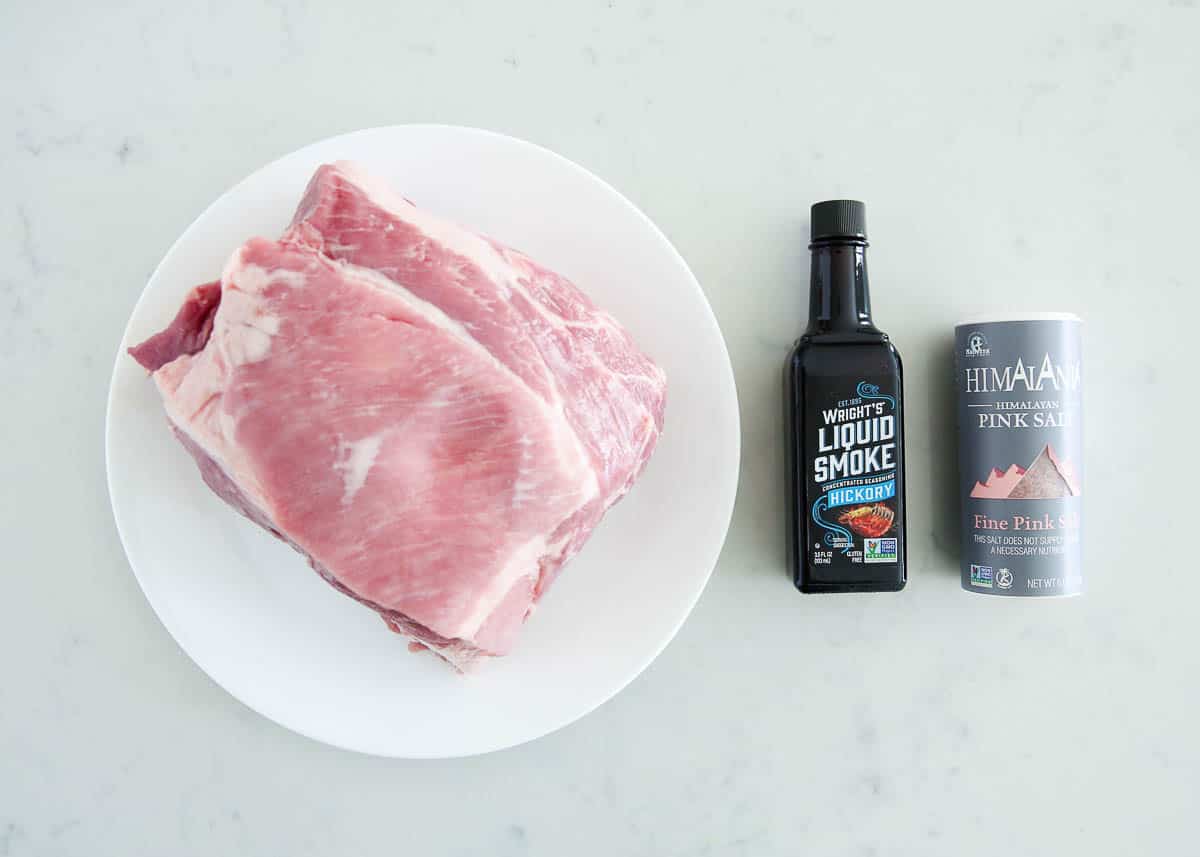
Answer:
(434, 420)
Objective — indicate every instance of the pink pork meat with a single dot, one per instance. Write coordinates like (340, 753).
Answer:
(433, 419)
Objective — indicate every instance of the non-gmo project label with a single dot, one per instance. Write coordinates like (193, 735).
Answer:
(879, 550)
(981, 575)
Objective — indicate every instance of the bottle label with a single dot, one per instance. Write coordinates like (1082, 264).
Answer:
(1020, 410)
(854, 473)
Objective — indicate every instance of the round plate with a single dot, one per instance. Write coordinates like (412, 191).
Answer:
(255, 617)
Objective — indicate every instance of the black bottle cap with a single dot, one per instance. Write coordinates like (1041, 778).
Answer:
(839, 218)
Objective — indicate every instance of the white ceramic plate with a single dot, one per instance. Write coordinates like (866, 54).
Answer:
(251, 613)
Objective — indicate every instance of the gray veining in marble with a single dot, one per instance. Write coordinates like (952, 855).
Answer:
(1025, 154)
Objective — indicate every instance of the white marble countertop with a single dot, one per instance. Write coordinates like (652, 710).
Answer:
(1017, 155)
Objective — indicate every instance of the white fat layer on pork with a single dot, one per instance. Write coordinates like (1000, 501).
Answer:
(453, 237)
(191, 386)
(207, 430)
(354, 461)
(245, 332)
(522, 562)
(254, 279)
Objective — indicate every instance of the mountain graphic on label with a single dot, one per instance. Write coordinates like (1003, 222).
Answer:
(1046, 478)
